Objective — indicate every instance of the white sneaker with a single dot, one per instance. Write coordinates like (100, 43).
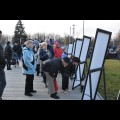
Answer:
(65, 91)
(68, 90)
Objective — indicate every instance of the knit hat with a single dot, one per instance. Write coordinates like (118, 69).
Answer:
(66, 59)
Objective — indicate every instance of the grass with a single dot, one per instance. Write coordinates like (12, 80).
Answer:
(112, 74)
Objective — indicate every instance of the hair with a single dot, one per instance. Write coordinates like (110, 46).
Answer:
(47, 40)
(43, 43)
(0, 32)
(75, 59)
(8, 42)
(28, 42)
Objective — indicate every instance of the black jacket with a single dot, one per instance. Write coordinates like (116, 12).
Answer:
(2, 59)
(8, 50)
(70, 70)
(53, 67)
(50, 48)
(43, 55)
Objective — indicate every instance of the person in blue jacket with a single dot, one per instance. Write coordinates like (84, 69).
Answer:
(29, 67)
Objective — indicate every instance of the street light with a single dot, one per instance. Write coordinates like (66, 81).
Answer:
(83, 28)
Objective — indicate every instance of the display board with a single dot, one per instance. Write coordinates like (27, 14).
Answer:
(73, 49)
(78, 46)
(102, 39)
(83, 57)
(70, 47)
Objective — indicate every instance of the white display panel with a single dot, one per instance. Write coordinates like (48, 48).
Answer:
(70, 49)
(78, 48)
(77, 81)
(83, 56)
(97, 61)
(84, 52)
(73, 48)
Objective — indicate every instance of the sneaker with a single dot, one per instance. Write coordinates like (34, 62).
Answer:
(54, 96)
(65, 91)
(68, 90)
(28, 94)
(45, 85)
(33, 91)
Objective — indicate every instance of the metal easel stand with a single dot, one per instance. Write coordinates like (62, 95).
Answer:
(83, 78)
(90, 83)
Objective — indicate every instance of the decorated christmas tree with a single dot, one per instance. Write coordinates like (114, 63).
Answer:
(19, 33)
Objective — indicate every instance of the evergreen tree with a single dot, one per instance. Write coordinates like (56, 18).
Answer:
(19, 34)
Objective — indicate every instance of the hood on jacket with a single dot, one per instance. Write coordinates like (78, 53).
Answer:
(57, 43)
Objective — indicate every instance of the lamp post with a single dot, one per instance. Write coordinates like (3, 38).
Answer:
(70, 36)
(83, 28)
(73, 31)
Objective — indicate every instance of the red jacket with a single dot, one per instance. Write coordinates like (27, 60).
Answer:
(57, 51)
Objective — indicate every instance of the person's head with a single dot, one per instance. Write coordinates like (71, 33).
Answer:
(65, 61)
(29, 43)
(44, 45)
(8, 42)
(75, 60)
(47, 41)
(57, 44)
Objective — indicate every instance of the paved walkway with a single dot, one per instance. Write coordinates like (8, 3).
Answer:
(16, 83)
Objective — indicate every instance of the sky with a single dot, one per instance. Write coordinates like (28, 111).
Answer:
(62, 27)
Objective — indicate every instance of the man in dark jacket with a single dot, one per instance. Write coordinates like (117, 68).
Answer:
(50, 48)
(8, 54)
(2, 73)
(51, 70)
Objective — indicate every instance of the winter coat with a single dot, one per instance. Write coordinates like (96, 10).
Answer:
(50, 48)
(53, 67)
(44, 55)
(29, 61)
(58, 51)
(2, 59)
(8, 52)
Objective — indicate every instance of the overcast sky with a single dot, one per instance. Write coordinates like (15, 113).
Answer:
(62, 27)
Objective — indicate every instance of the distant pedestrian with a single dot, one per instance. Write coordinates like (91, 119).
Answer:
(58, 50)
(50, 48)
(8, 55)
